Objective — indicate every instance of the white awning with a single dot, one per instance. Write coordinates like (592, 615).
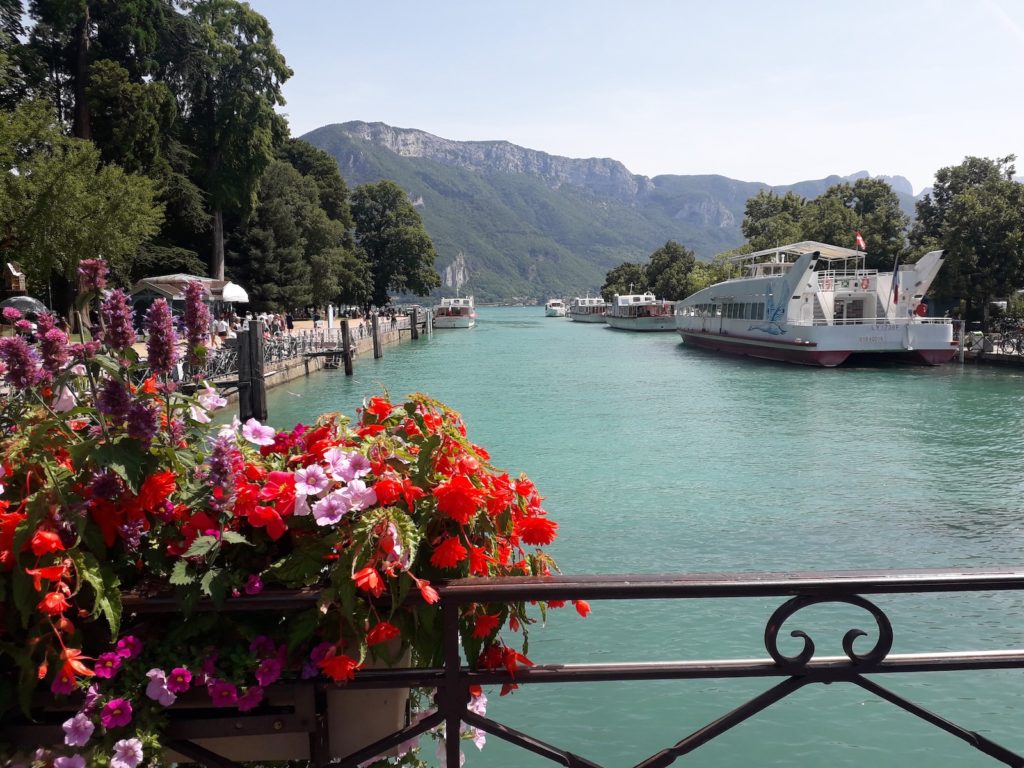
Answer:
(235, 293)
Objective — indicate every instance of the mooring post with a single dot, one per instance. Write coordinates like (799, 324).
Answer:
(346, 346)
(378, 352)
(244, 377)
(257, 369)
(414, 328)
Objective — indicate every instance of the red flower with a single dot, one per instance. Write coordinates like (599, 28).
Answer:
(428, 593)
(537, 531)
(380, 408)
(458, 498)
(51, 573)
(478, 561)
(370, 430)
(53, 604)
(268, 517)
(388, 491)
(486, 624)
(280, 487)
(370, 581)
(448, 554)
(156, 489)
(339, 668)
(45, 542)
(381, 633)
(582, 607)
(73, 667)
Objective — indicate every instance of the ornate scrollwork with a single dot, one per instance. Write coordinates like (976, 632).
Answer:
(880, 650)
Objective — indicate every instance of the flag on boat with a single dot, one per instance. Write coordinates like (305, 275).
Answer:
(896, 281)
(860, 242)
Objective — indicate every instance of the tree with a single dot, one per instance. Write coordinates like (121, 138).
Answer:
(391, 234)
(829, 218)
(229, 79)
(668, 271)
(626, 278)
(975, 212)
(880, 220)
(59, 204)
(770, 220)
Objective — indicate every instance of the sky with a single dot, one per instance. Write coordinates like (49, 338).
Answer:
(774, 91)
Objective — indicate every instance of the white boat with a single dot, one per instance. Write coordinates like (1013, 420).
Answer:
(554, 308)
(455, 313)
(585, 309)
(640, 312)
(817, 304)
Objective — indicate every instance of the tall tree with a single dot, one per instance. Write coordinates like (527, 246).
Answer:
(668, 271)
(770, 220)
(626, 278)
(229, 79)
(390, 232)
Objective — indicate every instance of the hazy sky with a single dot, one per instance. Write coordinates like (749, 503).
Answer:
(770, 90)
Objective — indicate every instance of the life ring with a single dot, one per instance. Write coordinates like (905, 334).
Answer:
(827, 284)
(864, 283)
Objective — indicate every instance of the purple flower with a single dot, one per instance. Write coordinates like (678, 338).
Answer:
(346, 466)
(359, 496)
(268, 672)
(64, 400)
(331, 508)
(117, 317)
(11, 314)
(22, 362)
(84, 351)
(197, 321)
(318, 654)
(62, 684)
(250, 699)
(160, 346)
(113, 400)
(105, 485)
(116, 713)
(24, 326)
(311, 481)
(54, 348)
(127, 754)
(258, 434)
(129, 646)
(210, 399)
(222, 693)
(179, 679)
(72, 761)
(253, 584)
(157, 688)
(107, 665)
(78, 730)
(92, 274)
(143, 421)
(220, 472)
(262, 647)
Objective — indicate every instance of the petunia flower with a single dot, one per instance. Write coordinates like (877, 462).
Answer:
(157, 688)
(250, 699)
(331, 508)
(253, 584)
(311, 481)
(107, 665)
(116, 713)
(258, 434)
(78, 730)
(69, 761)
(222, 693)
(179, 680)
(346, 465)
(210, 399)
(127, 754)
(359, 496)
(268, 672)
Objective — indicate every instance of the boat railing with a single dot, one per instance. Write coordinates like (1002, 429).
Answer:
(789, 666)
(915, 320)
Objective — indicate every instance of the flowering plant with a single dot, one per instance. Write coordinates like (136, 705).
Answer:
(115, 482)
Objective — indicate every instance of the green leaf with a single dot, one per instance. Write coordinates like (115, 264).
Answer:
(233, 537)
(201, 547)
(302, 568)
(126, 457)
(206, 584)
(180, 574)
(104, 584)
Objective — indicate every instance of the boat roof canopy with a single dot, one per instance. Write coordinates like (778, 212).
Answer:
(825, 251)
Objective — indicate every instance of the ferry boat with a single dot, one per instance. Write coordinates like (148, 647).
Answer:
(586, 309)
(816, 304)
(640, 312)
(455, 313)
(554, 308)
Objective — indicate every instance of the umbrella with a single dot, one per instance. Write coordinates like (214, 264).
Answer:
(24, 304)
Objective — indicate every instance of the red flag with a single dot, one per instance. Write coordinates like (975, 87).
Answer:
(860, 243)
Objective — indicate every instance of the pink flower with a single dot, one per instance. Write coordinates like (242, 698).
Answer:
(258, 434)
(179, 680)
(222, 693)
(311, 481)
(116, 713)
(359, 496)
(209, 399)
(331, 508)
(127, 754)
(253, 584)
(346, 466)
(268, 672)
(157, 689)
(72, 761)
(107, 665)
(129, 646)
(78, 730)
(250, 699)
(62, 684)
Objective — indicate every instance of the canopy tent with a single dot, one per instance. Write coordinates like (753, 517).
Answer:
(172, 288)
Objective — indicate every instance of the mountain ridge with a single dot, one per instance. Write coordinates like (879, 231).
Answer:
(525, 224)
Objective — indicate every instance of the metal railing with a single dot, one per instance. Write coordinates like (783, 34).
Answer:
(799, 591)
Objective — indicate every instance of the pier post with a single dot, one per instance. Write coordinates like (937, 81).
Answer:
(244, 377)
(257, 369)
(346, 346)
(378, 352)
(414, 320)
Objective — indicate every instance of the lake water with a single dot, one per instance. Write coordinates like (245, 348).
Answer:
(655, 457)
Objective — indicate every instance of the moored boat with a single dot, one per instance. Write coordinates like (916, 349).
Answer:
(640, 312)
(455, 313)
(587, 309)
(817, 304)
(554, 308)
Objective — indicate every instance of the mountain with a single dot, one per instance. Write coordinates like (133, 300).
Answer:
(511, 223)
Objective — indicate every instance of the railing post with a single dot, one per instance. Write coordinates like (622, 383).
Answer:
(378, 352)
(452, 702)
(346, 346)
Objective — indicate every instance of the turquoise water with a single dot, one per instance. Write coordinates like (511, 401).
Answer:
(655, 457)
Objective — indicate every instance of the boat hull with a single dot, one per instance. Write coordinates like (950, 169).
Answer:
(554, 313)
(580, 317)
(927, 344)
(658, 323)
(454, 322)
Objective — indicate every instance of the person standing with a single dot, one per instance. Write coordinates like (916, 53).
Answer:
(289, 322)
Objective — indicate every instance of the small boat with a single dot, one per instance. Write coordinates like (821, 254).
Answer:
(640, 312)
(817, 304)
(554, 308)
(455, 313)
(587, 309)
